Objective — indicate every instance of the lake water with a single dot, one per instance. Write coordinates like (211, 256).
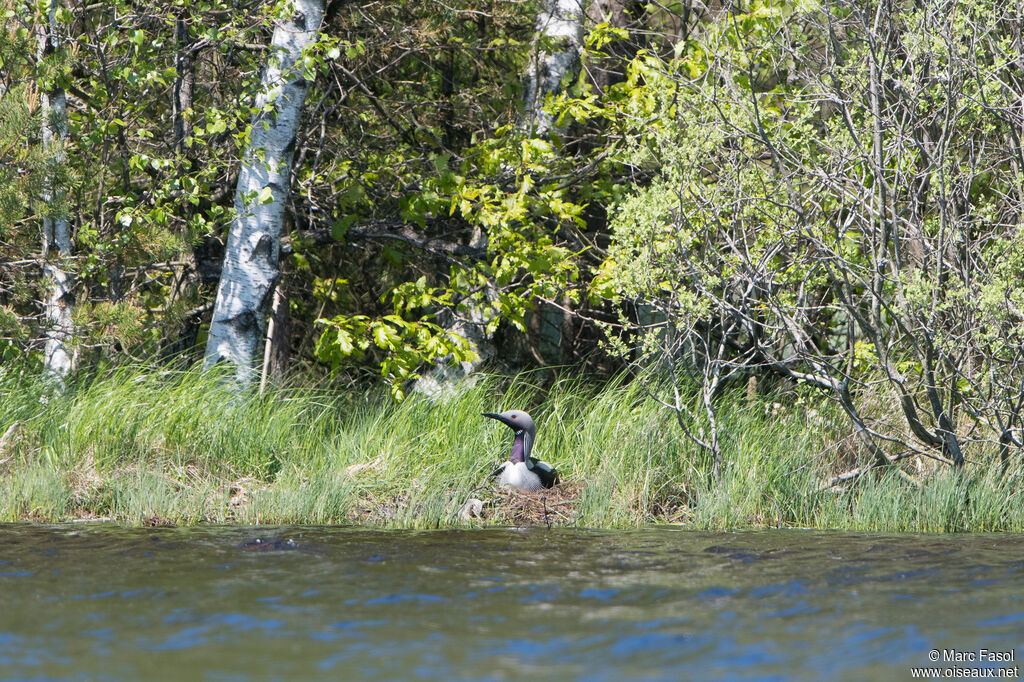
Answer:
(99, 602)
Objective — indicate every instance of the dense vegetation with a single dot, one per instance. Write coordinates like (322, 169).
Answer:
(781, 240)
(163, 446)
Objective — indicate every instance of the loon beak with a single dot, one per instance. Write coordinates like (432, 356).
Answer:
(498, 417)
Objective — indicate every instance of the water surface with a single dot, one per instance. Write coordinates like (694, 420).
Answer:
(110, 603)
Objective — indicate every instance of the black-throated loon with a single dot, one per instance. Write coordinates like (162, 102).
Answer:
(522, 471)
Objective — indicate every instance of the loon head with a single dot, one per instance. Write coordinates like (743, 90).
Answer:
(524, 430)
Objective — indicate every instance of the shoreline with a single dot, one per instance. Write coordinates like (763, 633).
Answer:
(149, 446)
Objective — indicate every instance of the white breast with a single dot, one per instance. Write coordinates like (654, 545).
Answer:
(519, 476)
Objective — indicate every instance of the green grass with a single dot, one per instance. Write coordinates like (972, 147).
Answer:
(152, 445)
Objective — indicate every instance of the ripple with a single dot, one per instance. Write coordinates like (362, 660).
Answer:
(1000, 620)
(399, 598)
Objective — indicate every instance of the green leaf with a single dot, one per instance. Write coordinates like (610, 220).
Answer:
(344, 341)
(382, 338)
(340, 227)
(440, 161)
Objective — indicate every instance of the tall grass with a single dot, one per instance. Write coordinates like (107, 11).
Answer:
(153, 445)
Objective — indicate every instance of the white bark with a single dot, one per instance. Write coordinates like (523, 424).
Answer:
(250, 270)
(56, 229)
(556, 54)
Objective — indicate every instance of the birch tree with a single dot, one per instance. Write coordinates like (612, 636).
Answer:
(251, 269)
(57, 247)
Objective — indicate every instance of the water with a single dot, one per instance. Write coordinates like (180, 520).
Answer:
(109, 603)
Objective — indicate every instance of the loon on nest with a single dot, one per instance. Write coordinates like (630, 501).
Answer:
(521, 471)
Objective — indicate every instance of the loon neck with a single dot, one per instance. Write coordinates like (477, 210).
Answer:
(520, 448)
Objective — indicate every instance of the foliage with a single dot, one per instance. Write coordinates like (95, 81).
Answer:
(409, 161)
(836, 197)
(459, 172)
(147, 172)
(22, 169)
(406, 345)
(826, 192)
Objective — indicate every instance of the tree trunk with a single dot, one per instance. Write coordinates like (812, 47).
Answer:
(276, 348)
(184, 80)
(56, 228)
(250, 270)
(556, 54)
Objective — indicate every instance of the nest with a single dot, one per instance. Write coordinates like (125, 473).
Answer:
(545, 507)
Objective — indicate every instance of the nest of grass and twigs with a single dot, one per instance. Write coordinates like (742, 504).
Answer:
(546, 507)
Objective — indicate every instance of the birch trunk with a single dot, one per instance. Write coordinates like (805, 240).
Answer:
(559, 24)
(556, 54)
(56, 228)
(250, 270)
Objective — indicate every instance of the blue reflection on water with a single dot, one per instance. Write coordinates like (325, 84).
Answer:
(398, 598)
